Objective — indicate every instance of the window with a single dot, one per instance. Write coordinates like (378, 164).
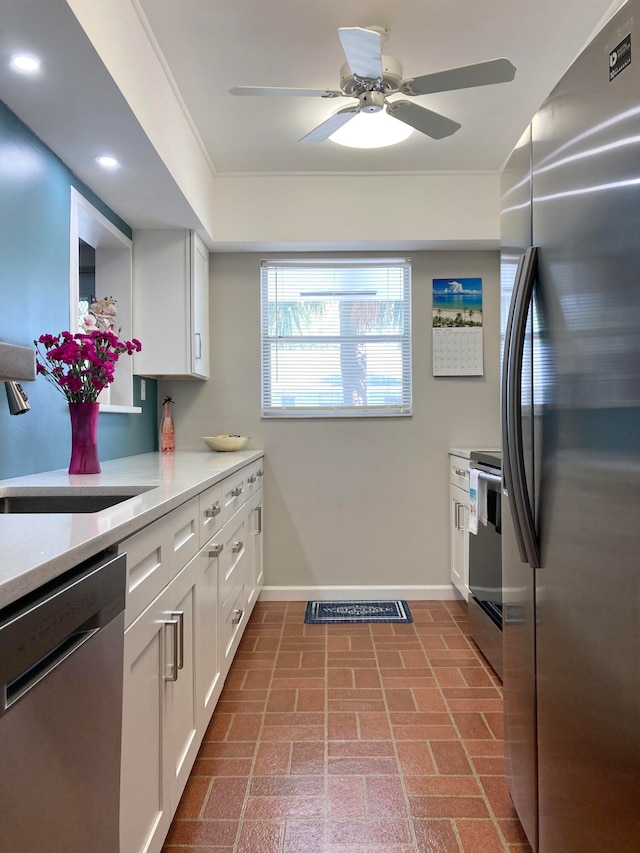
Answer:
(336, 338)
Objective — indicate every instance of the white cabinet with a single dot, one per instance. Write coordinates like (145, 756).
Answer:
(186, 611)
(159, 713)
(459, 523)
(209, 678)
(171, 303)
(256, 573)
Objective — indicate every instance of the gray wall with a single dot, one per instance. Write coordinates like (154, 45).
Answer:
(357, 501)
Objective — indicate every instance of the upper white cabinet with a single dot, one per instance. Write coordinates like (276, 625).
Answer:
(171, 303)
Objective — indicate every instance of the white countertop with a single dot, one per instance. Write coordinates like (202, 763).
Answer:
(36, 548)
(465, 452)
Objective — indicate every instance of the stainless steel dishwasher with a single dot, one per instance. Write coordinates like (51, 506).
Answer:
(61, 659)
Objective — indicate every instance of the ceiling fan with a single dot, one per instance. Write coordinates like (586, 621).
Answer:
(372, 78)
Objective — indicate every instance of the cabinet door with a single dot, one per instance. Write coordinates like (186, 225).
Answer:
(209, 682)
(459, 539)
(145, 808)
(199, 307)
(254, 524)
(159, 741)
(180, 695)
(171, 291)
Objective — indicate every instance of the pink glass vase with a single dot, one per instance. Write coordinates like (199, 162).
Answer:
(84, 438)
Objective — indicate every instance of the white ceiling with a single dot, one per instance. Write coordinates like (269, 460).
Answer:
(211, 46)
(208, 46)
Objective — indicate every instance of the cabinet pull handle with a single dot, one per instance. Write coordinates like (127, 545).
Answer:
(198, 337)
(257, 516)
(260, 473)
(216, 550)
(237, 547)
(179, 615)
(459, 524)
(173, 623)
(212, 511)
(460, 472)
(237, 617)
(252, 479)
(236, 492)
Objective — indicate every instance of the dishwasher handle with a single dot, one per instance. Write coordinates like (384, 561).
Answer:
(43, 629)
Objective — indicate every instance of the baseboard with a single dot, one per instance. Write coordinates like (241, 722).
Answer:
(444, 592)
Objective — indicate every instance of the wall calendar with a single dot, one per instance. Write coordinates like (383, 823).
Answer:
(457, 327)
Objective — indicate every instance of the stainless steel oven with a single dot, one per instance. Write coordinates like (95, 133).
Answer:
(485, 562)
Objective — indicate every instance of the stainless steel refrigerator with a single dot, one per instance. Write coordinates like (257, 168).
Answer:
(570, 280)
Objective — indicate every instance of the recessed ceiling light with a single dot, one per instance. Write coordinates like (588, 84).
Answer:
(107, 162)
(372, 130)
(25, 63)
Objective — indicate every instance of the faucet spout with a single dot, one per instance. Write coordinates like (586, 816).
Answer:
(18, 400)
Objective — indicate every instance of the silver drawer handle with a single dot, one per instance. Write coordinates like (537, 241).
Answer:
(173, 623)
(212, 511)
(236, 492)
(252, 479)
(460, 472)
(237, 547)
(260, 473)
(257, 517)
(216, 550)
(237, 617)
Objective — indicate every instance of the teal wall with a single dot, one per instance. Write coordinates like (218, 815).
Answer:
(34, 299)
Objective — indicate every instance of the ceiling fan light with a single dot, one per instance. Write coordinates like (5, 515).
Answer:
(372, 130)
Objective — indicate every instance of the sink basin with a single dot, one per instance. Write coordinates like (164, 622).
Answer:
(70, 502)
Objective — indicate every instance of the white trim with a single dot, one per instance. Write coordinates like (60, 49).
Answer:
(434, 592)
(127, 410)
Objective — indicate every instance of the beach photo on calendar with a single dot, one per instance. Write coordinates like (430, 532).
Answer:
(457, 302)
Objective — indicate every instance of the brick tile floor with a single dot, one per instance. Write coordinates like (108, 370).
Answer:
(352, 739)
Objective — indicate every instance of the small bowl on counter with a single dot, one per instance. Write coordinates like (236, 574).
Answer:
(226, 442)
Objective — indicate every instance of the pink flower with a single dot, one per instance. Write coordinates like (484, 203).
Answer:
(81, 365)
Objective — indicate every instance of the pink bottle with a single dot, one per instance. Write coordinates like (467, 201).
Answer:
(167, 433)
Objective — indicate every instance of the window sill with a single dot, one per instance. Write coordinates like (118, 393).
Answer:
(121, 410)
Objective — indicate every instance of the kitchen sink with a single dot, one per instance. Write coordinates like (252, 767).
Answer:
(70, 501)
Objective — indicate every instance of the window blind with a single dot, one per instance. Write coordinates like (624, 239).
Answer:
(336, 338)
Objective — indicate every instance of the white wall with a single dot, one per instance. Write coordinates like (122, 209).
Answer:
(348, 502)
(415, 211)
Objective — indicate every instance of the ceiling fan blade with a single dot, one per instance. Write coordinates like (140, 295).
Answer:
(278, 92)
(363, 49)
(323, 131)
(464, 77)
(426, 121)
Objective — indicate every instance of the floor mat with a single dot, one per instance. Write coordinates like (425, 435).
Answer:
(332, 612)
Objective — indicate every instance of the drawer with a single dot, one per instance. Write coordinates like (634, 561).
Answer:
(183, 530)
(156, 554)
(211, 514)
(234, 493)
(253, 477)
(458, 473)
(234, 556)
(149, 561)
(232, 622)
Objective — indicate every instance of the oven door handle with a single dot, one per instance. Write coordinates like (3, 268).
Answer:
(492, 478)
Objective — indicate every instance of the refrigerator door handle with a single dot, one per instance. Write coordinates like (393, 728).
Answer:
(506, 438)
(516, 464)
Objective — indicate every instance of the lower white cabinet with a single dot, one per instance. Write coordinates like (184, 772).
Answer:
(459, 523)
(159, 713)
(459, 539)
(209, 677)
(178, 651)
(255, 549)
